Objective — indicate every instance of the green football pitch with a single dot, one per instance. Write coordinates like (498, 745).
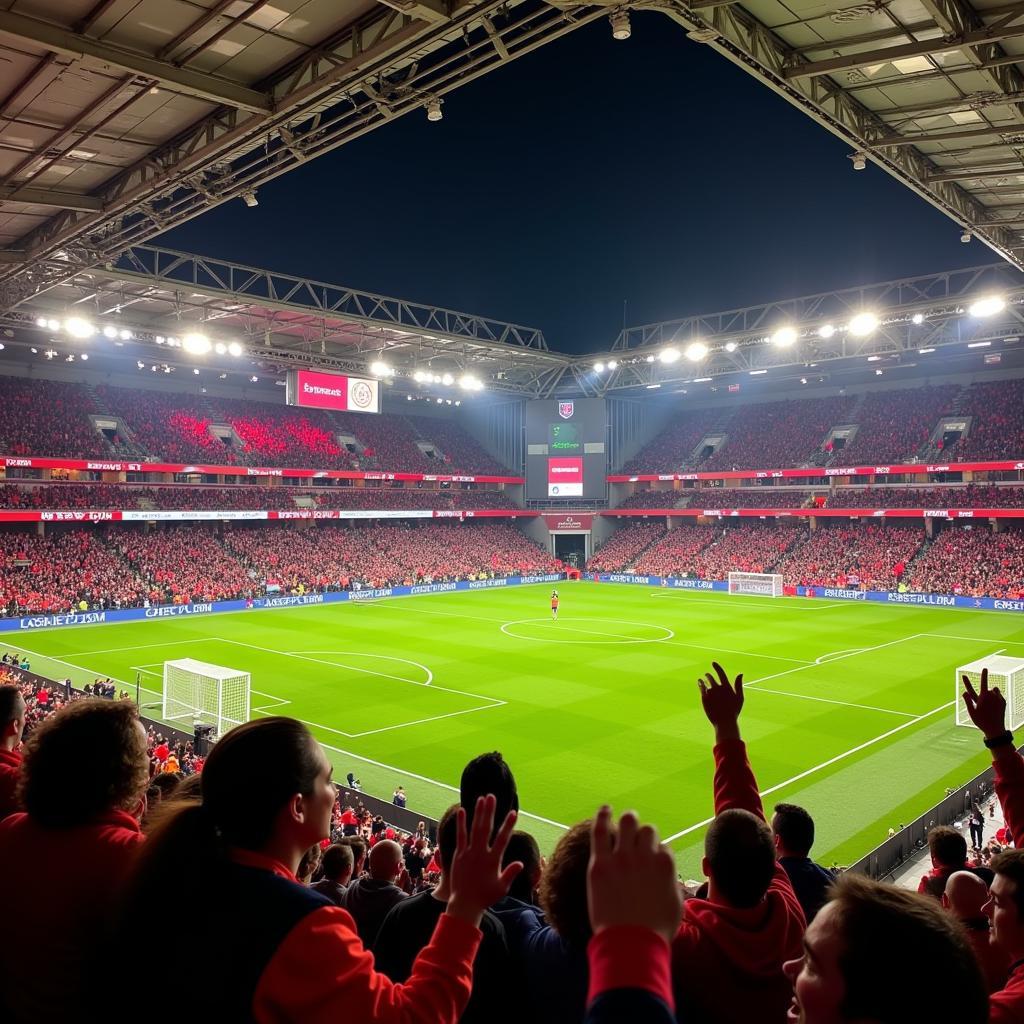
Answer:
(849, 707)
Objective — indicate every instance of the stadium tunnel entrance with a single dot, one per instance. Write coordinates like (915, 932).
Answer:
(571, 548)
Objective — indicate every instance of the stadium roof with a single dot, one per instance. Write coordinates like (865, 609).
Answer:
(124, 118)
(158, 297)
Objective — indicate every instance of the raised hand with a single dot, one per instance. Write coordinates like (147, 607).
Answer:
(986, 707)
(476, 875)
(722, 702)
(631, 879)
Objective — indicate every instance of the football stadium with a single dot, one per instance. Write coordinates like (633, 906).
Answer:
(427, 667)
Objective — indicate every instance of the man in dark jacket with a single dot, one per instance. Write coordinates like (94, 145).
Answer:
(368, 900)
(793, 830)
(409, 925)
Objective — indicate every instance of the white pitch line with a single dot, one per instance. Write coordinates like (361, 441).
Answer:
(819, 767)
(829, 700)
(365, 671)
(976, 639)
(666, 642)
(140, 647)
(404, 725)
(432, 782)
(842, 657)
(698, 595)
(831, 654)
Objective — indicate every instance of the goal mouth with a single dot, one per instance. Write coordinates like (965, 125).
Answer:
(756, 584)
(1004, 672)
(198, 692)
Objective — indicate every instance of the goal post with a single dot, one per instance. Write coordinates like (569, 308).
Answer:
(196, 691)
(760, 584)
(1006, 673)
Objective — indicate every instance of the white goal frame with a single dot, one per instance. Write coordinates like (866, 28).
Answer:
(196, 691)
(1005, 672)
(757, 584)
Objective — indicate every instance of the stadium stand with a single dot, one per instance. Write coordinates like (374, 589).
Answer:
(751, 497)
(996, 409)
(893, 426)
(183, 564)
(379, 555)
(969, 496)
(622, 548)
(972, 561)
(45, 417)
(251, 496)
(774, 434)
(675, 447)
(870, 556)
(676, 552)
(61, 571)
(460, 452)
(657, 499)
(51, 418)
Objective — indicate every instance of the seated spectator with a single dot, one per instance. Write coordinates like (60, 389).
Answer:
(793, 831)
(358, 847)
(523, 847)
(12, 726)
(336, 866)
(79, 834)
(882, 954)
(965, 898)
(370, 899)
(308, 865)
(948, 850)
(408, 926)
(727, 957)
(267, 797)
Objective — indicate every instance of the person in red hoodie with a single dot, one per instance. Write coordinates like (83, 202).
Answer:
(285, 952)
(78, 834)
(987, 708)
(728, 954)
(12, 726)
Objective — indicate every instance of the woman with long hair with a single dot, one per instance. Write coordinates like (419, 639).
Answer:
(269, 948)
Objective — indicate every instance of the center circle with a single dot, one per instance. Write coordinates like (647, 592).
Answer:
(591, 631)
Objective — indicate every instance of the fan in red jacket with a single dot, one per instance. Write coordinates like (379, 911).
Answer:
(728, 954)
(12, 725)
(289, 953)
(78, 836)
(987, 709)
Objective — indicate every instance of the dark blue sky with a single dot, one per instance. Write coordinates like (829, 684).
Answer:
(588, 173)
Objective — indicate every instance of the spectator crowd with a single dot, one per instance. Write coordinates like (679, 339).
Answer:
(329, 913)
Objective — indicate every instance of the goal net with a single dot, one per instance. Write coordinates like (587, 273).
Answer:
(761, 584)
(195, 691)
(1007, 674)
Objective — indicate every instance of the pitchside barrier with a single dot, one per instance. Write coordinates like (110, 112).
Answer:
(887, 857)
(826, 593)
(92, 618)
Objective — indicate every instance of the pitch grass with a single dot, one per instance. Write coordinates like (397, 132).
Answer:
(848, 712)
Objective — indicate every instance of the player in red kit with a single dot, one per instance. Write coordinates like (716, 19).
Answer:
(554, 604)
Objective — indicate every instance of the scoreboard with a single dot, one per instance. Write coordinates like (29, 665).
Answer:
(566, 451)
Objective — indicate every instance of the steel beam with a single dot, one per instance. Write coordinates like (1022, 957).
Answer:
(923, 48)
(50, 197)
(192, 83)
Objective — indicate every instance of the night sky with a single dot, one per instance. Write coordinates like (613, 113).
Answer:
(592, 172)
